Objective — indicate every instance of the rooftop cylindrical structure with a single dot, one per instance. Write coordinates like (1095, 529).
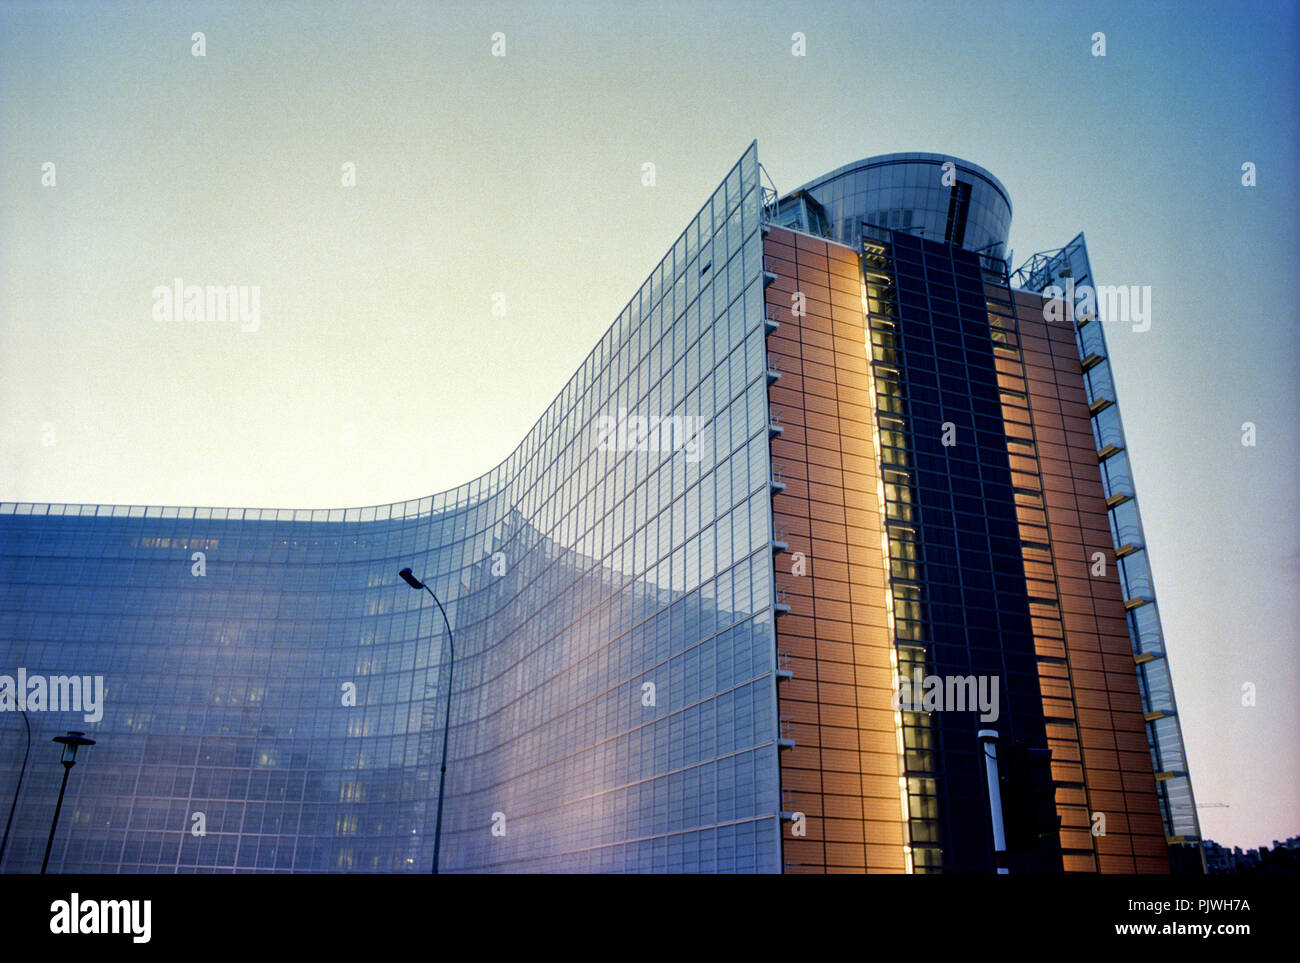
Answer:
(963, 205)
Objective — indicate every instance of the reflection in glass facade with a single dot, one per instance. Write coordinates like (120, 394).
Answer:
(273, 692)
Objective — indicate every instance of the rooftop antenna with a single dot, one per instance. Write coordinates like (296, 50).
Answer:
(769, 193)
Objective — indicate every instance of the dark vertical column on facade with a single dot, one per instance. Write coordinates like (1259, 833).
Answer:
(958, 208)
(975, 596)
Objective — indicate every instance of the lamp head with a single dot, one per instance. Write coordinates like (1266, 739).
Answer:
(71, 742)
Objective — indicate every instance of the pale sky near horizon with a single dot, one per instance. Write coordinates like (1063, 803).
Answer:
(378, 371)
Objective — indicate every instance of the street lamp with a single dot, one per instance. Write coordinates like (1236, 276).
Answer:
(71, 742)
(4, 843)
(415, 583)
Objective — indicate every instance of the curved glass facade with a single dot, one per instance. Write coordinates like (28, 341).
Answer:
(273, 694)
(906, 192)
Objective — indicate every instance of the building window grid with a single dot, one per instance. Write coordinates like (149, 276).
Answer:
(464, 546)
(1072, 261)
(1047, 622)
(905, 584)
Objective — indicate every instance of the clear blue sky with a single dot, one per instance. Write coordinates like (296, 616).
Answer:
(379, 371)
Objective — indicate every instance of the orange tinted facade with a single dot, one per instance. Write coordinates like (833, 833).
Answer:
(840, 777)
(842, 772)
(1100, 755)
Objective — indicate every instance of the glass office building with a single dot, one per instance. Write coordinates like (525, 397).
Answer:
(610, 592)
(681, 608)
(1006, 529)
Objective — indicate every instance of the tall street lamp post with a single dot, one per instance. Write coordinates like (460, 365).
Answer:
(71, 742)
(415, 583)
(4, 843)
